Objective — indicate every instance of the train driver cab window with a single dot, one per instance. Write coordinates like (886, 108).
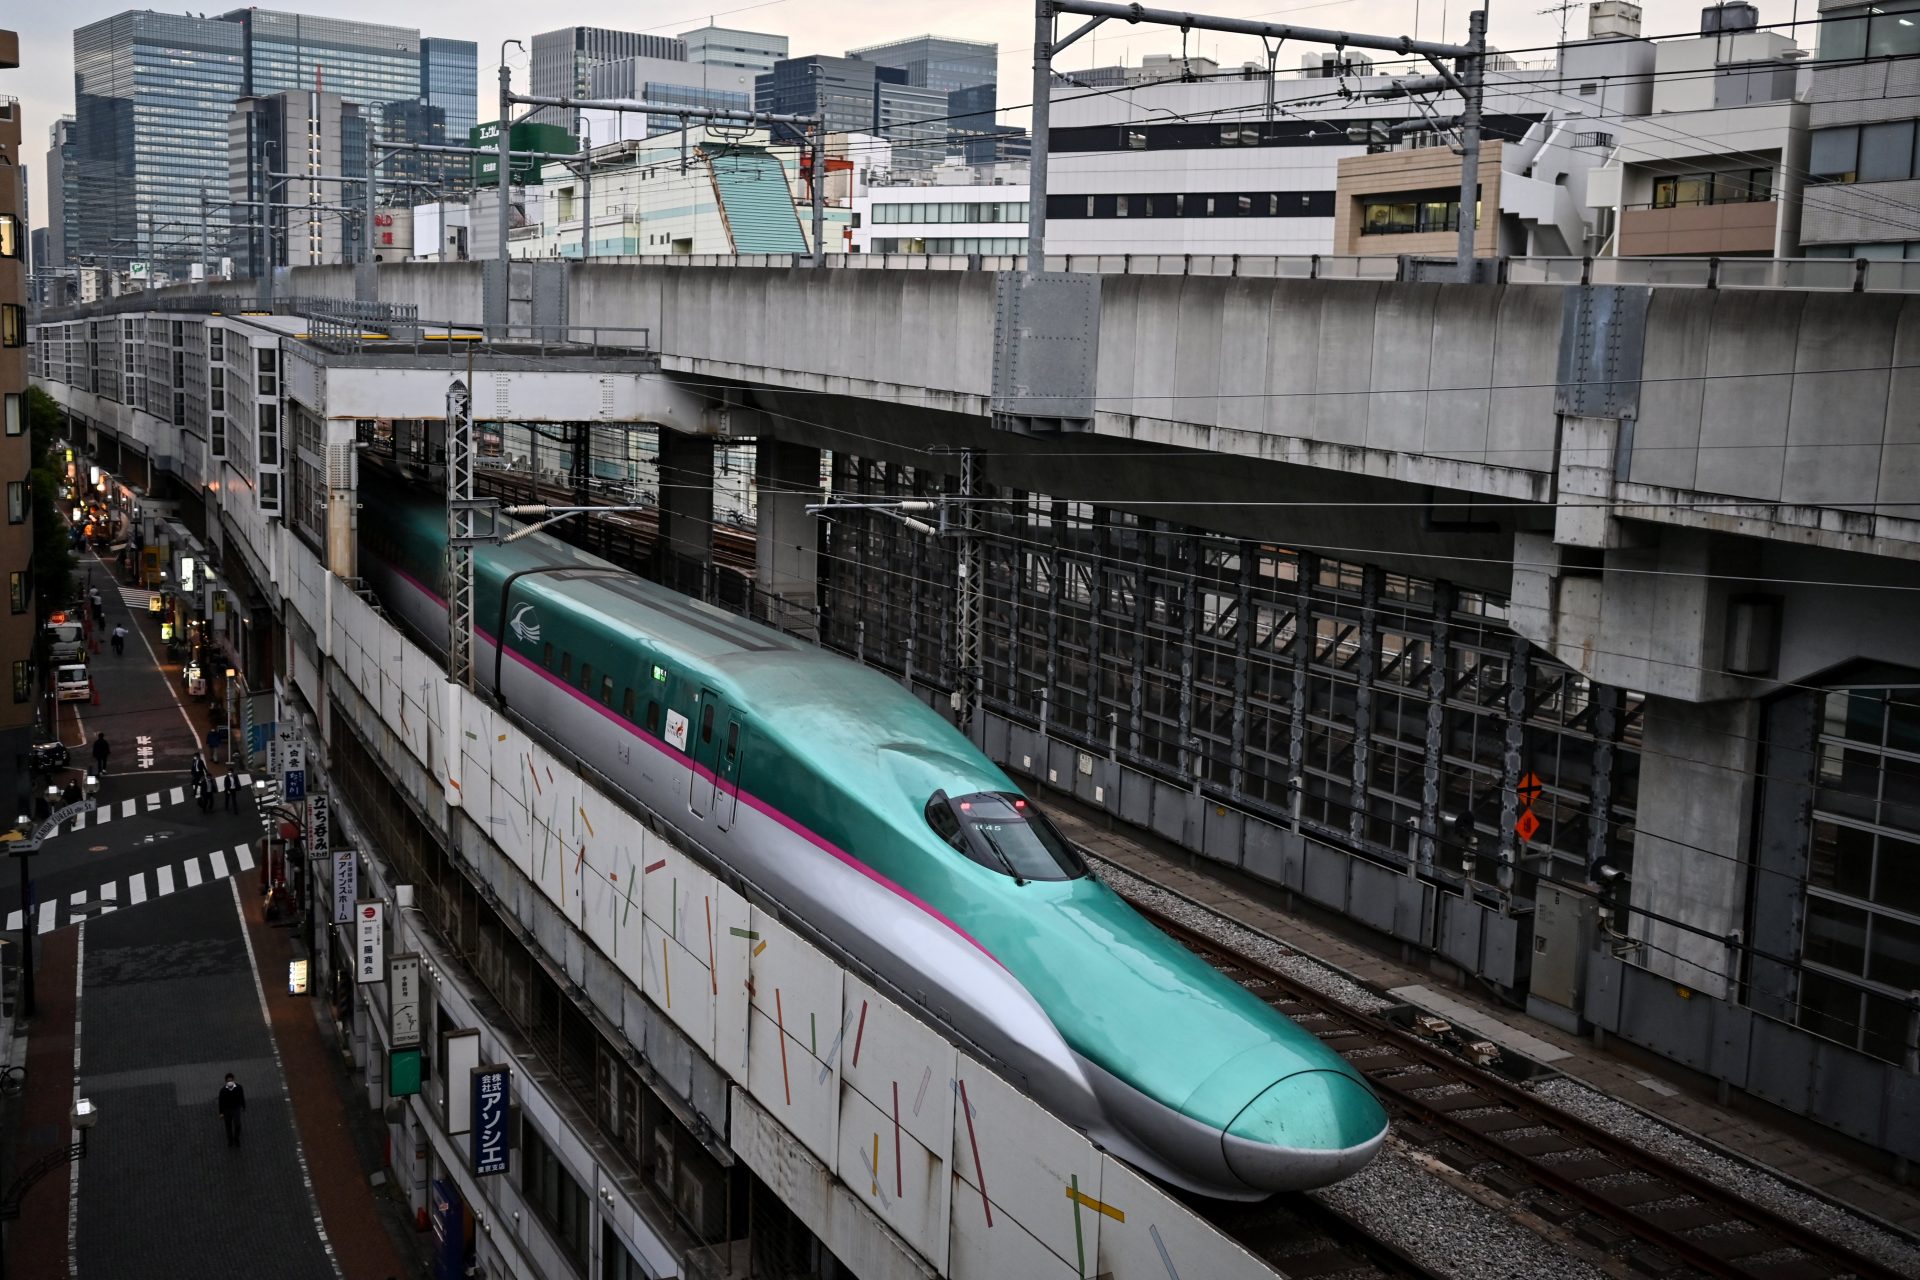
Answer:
(1005, 833)
(706, 723)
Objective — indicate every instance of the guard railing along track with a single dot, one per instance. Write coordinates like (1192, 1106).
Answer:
(1701, 1224)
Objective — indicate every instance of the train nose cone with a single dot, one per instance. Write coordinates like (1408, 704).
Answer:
(1306, 1130)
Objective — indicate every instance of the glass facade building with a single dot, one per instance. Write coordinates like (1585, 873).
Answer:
(152, 92)
(856, 96)
(965, 72)
(727, 47)
(561, 60)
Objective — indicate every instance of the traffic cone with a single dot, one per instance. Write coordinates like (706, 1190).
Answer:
(95, 690)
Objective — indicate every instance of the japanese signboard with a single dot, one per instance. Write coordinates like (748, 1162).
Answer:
(491, 1089)
(403, 1001)
(319, 825)
(293, 769)
(369, 947)
(346, 885)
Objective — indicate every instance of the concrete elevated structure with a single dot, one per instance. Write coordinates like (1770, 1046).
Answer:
(1306, 575)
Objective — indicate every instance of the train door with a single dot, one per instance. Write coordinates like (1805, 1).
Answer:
(705, 750)
(728, 773)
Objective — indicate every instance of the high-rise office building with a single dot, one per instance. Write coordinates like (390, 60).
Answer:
(63, 180)
(937, 62)
(713, 46)
(449, 77)
(966, 71)
(561, 60)
(670, 83)
(856, 96)
(298, 221)
(154, 91)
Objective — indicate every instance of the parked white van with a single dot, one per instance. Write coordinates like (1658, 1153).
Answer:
(71, 683)
(68, 641)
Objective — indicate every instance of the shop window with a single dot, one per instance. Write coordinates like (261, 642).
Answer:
(9, 236)
(17, 592)
(22, 681)
(14, 407)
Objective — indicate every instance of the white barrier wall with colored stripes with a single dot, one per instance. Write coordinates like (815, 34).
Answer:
(858, 1113)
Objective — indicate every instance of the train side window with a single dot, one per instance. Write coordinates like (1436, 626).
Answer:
(706, 723)
(546, 657)
(626, 704)
(606, 690)
(733, 742)
(653, 716)
(586, 677)
(566, 667)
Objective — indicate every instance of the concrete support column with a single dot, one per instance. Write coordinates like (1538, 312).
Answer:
(1583, 482)
(686, 509)
(787, 539)
(1690, 841)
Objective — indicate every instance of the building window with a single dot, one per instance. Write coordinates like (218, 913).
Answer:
(270, 492)
(13, 325)
(16, 501)
(553, 1194)
(1835, 155)
(269, 435)
(9, 236)
(22, 681)
(15, 411)
(268, 359)
(17, 592)
(1410, 213)
(1730, 186)
(217, 436)
(1861, 945)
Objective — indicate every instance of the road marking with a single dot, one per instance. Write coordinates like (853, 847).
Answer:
(243, 856)
(137, 888)
(13, 921)
(102, 816)
(153, 799)
(79, 825)
(126, 807)
(246, 779)
(78, 900)
(163, 877)
(218, 861)
(192, 866)
(46, 917)
(177, 796)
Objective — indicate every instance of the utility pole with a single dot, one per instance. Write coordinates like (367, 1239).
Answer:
(968, 610)
(460, 532)
(366, 233)
(206, 262)
(506, 166)
(1472, 73)
(586, 190)
(819, 193)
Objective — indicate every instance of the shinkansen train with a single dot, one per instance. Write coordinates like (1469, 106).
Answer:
(863, 812)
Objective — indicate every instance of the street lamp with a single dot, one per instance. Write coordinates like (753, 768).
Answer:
(229, 731)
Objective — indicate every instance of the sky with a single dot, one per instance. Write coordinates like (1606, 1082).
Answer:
(44, 81)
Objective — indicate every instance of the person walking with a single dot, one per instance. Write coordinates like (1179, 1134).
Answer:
(120, 641)
(199, 772)
(233, 1104)
(206, 795)
(101, 750)
(231, 789)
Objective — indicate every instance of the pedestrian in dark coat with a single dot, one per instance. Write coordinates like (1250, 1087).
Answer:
(206, 794)
(231, 789)
(101, 750)
(233, 1104)
(199, 771)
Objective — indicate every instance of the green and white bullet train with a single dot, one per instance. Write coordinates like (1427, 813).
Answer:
(865, 813)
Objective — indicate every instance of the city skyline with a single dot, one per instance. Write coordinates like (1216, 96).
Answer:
(44, 83)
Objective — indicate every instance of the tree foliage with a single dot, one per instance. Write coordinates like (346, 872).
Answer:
(53, 558)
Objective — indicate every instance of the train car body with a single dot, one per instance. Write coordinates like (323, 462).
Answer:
(863, 812)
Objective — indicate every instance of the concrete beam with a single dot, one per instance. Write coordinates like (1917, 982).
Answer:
(787, 539)
(686, 496)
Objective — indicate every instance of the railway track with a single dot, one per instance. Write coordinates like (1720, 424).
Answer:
(1658, 1218)
(1307, 1239)
(618, 535)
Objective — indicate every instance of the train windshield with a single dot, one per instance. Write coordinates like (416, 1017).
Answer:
(1006, 833)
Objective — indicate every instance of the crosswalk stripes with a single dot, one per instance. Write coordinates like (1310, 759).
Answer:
(126, 807)
(135, 598)
(192, 868)
(163, 878)
(136, 890)
(244, 856)
(131, 806)
(177, 796)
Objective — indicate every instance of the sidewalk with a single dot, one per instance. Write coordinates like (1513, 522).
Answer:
(37, 1243)
(359, 1227)
(1655, 1087)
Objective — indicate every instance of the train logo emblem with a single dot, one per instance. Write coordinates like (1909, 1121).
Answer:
(526, 624)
